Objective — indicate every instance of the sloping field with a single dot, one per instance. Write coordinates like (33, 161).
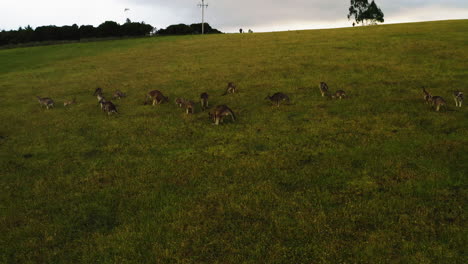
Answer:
(376, 178)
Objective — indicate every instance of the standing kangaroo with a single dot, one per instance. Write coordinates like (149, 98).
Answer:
(101, 100)
(231, 88)
(458, 97)
(204, 101)
(323, 89)
(109, 107)
(427, 96)
(45, 101)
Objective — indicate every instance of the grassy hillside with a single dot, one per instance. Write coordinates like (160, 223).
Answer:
(376, 178)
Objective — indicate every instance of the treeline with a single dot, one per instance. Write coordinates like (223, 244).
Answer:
(182, 29)
(107, 29)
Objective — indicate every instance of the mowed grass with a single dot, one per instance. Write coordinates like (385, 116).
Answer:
(376, 178)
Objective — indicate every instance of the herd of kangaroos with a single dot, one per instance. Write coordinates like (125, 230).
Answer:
(221, 111)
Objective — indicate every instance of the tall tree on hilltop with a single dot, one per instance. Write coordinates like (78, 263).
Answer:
(366, 13)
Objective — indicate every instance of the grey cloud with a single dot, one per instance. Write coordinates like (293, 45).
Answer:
(259, 12)
(232, 13)
(227, 15)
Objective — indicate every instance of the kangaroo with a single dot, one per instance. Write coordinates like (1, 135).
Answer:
(204, 101)
(458, 97)
(157, 97)
(220, 112)
(180, 102)
(67, 103)
(109, 107)
(47, 102)
(323, 89)
(427, 96)
(437, 102)
(101, 100)
(118, 95)
(102, 103)
(278, 98)
(231, 88)
(189, 107)
(339, 94)
(98, 91)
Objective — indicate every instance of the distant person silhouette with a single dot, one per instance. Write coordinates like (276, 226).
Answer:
(240, 31)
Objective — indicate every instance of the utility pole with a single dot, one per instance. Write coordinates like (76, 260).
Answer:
(203, 6)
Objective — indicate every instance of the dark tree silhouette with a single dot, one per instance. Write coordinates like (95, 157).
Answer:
(87, 32)
(108, 29)
(373, 14)
(73, 33)
(182, 29)
(69, 32)
(45, 33)
(197, 29)
(135, 29)
(179, 29)
(366, 13)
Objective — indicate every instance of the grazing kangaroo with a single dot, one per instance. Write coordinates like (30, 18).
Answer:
(231, 88)
(458, 97)
(180, 102)
(339, 94)
(67, 103)
(157, 97)
(427, 96)
(204, 101)
(437, 102)
(278, 98)
(189, 107)
(47, 102)
(323, 89)
(118, 95)
(98, 91)
(220, 112)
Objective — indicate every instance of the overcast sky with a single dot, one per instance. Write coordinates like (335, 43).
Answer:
(226, 15)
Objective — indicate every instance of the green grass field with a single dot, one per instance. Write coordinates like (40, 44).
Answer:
(376, 178)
